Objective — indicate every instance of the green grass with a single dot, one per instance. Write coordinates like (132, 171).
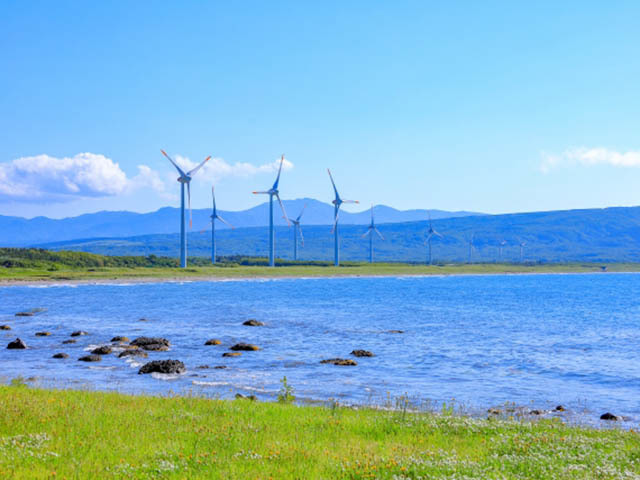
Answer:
(80, 434)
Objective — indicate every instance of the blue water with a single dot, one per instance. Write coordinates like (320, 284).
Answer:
(535, 340)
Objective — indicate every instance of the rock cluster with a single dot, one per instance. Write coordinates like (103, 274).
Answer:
(163, 366)
(340, 361)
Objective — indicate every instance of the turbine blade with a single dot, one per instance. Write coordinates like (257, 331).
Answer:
(378, 232)
(275, 184)
(301, 236)
(224, 221)
(366, 233)
(283, 210)
(260, 193)
(335, 221)
(301, 212)
(174, 163)
(350, 201)
(334, 185)
(193, 171)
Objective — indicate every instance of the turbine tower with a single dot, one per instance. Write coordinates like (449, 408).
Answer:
(502, 244)
(337, 202)
(214, 217)
(372, 228)
(297, 229)
(184, 179)
(273, 192)
(471, 246)
(430, 234)
(522, 244)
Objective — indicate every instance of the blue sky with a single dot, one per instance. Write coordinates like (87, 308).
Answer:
(485, 106)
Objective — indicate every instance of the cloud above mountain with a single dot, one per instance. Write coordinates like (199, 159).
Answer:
(44, 177)
(589, 157)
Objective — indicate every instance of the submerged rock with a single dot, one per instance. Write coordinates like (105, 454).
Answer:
(60, 355)
(213, 341)
(219, 367)
(134, 352)
(395, 331)
(79, 333)
(163, 366)
(5, 327)
(43, 334)
(202, 367)
(231, 354)
(25, 314)
(102, 350)
(17, 344)
(253, 323)
(119, 339)
(69, 341)
(609, 416)
(245, 347)
(90, 358)
(362, 353)
(340, 361)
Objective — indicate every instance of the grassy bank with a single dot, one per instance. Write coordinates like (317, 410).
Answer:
(40, 265)
(76, 434)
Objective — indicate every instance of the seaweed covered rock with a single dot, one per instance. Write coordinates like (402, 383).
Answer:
(5, 327)
(231, 354)
(118, 339)
(213, 341)
(253, 323)
(43, 334)
(79, 333)
(609, 416)
(362, 353)
(102, 350)
(60, 355)
(244, 347)
(71, 340)
(346, 362)
(163, 366)
(17, 344)
(134, 352)
(156, 344)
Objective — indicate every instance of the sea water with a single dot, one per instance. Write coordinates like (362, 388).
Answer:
(474, 341)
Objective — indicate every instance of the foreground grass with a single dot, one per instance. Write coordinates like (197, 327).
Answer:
(361, 269)
(78, 434)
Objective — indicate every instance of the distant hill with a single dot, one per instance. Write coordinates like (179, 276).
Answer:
(594, 235)
(21, 232)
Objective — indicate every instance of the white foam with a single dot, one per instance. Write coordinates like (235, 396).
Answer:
(166, 376)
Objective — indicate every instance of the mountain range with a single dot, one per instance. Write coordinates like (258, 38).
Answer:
(17, 231)
(590, 235)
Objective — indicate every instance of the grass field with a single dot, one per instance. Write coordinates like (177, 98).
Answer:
(79, 434)
(364, 269)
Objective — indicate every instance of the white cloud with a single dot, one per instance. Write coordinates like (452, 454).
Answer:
(589, 157)
(217, 168)
(46, 177)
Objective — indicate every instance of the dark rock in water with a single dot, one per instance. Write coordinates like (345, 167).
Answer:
(135, 352)
(79, 333)
(5, 327)
(119, 339)
(340, 361)
(163, 366)
(239, 396)
(253, 323)
(559, 408)
(362, 353)
(69, 341)
(17, 344)
(102, 350)
(60, 355)
(202, 367)
(90, 358)
(143, 319)
(213, 341)
(245, 347)
(142, 341)
(536, 412)
(25, 314)
(43, 334)
(156, 347)
(609, 416)
(231, 354)
(395, 331)
(219, 367)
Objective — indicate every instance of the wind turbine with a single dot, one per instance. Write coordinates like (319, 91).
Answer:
(214, 217)
(297, 229)
(273, 192)
(502, 244)
(430, 234)
(372, 228)
(185, 179)
(522, 244)
(471, 246)
(337, 202)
